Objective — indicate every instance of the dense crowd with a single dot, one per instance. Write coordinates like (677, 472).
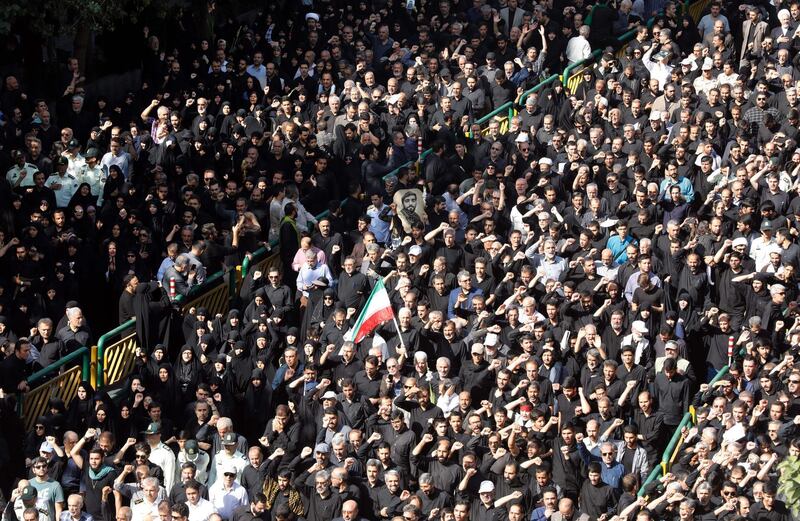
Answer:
(565, 283)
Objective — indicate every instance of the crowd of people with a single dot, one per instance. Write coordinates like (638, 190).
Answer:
(566, 283)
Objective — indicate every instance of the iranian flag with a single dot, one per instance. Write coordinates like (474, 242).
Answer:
(377, 310)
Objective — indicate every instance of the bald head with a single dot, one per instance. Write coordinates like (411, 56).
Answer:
(565, 507)
(349, 510)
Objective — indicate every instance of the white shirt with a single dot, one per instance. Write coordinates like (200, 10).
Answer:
(64, 187)
(759, 251)
(95, 178)
(201, 511)
(164, 458)
(75, 165)
(201, 462)
(222, 459)
(578, 49)
(140, 509)
(225, 501)
(16, 171)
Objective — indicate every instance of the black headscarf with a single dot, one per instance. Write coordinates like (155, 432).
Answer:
(150, 303)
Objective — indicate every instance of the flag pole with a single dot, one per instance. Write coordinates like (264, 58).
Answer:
(399, 335)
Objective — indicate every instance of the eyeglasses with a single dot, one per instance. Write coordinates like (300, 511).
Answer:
(408, 387)
(141, 456)
(40, 466)
(608, 453)
(229, 475)
(39, 427)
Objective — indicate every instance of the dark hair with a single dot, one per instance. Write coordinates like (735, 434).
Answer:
(182, 509)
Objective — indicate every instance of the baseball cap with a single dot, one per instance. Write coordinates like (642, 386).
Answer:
(486, 486)
(73, 143)
(330, 395)
(192, 450)
(415, 250)
(477, 348)
(62, 160)
(655, 115)
(153, 428)
(322, 447)
(230, 438)
(29, 493)
(766, 226)
(45, 447)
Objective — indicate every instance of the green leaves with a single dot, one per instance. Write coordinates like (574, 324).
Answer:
(789, 482)
(64, 17)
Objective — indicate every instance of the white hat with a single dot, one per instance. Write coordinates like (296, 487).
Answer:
(546, 161)
(477, 348)
(330, 395)
(415, 250)
(393, 99)
(312, 16)
(691, 62)
(708, 64)
(655, 115)
(522, 137)
(639, 326)
(486, 486)
(740, 241)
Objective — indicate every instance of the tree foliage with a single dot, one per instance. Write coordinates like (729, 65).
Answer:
(65, 17)
(789, 482)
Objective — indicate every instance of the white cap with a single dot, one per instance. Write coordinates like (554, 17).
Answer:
(486, 486)
(708, 64)
(739, 241)
(639, 326)
(415, 250)
(312, 16)
(655, 115)
(330, 395)
(546, 161)
(522, 138)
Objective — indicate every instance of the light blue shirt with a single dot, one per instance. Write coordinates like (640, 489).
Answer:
(378, 226)
(687, 190)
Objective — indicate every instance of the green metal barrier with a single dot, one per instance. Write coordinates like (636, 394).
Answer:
(567, 74)
(654, 475)
(542, 84)
(84, 352)
(34, 403)
(101, 347)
